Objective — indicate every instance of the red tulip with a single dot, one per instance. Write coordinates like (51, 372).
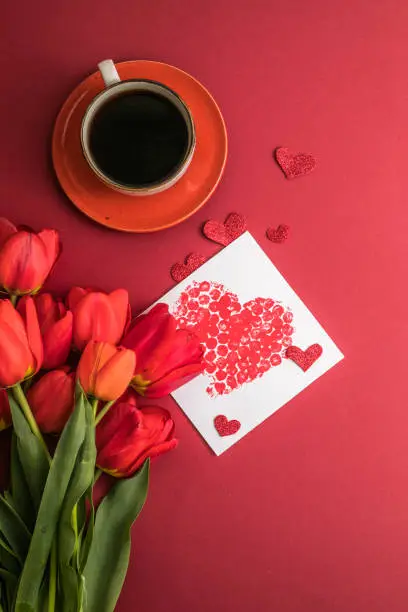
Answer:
(126, 437)
(105, 371)
(21, 350)
(98, 316)
(5, 414)
(56, 329)
(26, 258)
(52, 399)
(166, 357)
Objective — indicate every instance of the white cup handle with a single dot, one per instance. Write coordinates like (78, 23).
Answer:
(109, 73)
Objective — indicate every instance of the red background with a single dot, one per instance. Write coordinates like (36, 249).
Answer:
(310, 511)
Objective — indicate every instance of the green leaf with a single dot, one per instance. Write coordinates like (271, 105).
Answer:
(8, 559)
(88, 538)
(49, 512)
(11, 583)
(3, 599)
(108, 559)
(69, 529)
(44, 595)
(14, 530)
(31, 454)
(21, 496)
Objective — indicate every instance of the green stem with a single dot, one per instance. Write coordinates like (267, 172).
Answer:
(95, 405)
(25, 407)
(13, 299)
(102, 412)
(52, 591)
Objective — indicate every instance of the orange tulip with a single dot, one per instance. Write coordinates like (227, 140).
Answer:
(166, 357)
(98, 316)
(51, 400)
(126, 437)
(105, 371)
(5, 414)
(26, 258)
(21, 350)
(56, 329)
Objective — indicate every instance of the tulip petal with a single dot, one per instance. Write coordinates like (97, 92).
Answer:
(7, 229)
(52, 400)
(150, 439)
(22, 260)
(122, 419)
(170, 382)
(75, 295)
(33, 332)
(93, 355)
(183, 348)
(150, 337)
(16, 358)
(57, 342)
(119, 300)
(99, 317)
(47, 310)
(105, 371)
(129, 436)
(155, 451)
(52, 246)
(114, 377)
(15, 318)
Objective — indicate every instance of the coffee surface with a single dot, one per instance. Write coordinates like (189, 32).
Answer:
(138, 139)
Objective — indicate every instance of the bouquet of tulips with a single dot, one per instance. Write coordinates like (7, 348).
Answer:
(71, 373)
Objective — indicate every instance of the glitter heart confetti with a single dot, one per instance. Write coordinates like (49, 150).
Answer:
(304, 359)
(180, 271)
(294, 164)
(225, 427)
(278, 234)
(225, 233)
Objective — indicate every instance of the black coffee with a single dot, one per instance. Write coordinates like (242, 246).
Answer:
(138, 139)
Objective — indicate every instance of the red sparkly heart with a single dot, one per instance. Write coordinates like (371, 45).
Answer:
(180, 271)
(304, 359)
(294, 164)
(241, 341)
(225, 233)
(226, 427)
(278, 234)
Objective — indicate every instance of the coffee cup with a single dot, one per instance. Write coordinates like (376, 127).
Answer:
(137, 135)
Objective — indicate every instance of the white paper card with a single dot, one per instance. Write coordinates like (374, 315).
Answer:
(243, 308)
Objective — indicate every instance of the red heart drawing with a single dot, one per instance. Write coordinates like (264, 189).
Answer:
(225, 233)
(226, 427)
(304, 359)
(294, 164)
(279, 234)
(241, 342)
(180, 271)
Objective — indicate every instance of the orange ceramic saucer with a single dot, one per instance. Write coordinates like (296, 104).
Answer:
(129, 213)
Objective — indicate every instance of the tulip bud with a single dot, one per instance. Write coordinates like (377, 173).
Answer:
(126, 437)
(52, 399)
(98, 316)
(55, 327)
(21, 351)
(105, 371)
(166, 357)
(26, 258)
